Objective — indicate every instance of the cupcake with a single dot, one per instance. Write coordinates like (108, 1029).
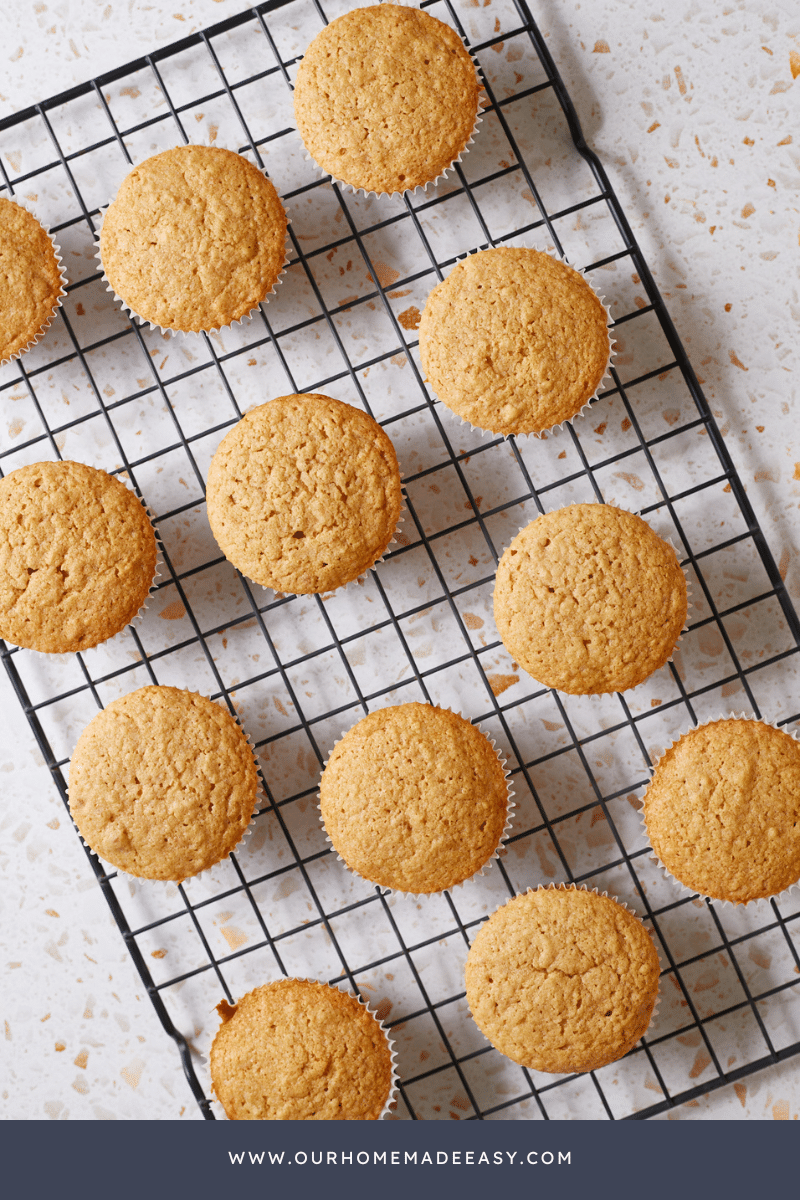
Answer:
(386, 98)
(304, 494)
(77, 556)
(723, 810)
(296, 1050)
(194, 239)
(162, 784)
(588, 599)
(414, 798)
(31, 280)
(514, 341)
(562, 980)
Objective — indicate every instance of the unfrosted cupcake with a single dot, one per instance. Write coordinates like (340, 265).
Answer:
(414, 798)
(31, 280)
(723, 810)
(162, 783)
(297, 1050)
(589, 599)
(194, 239)
(514, 341)
(304, 494)
(386, 98)
(562, 980)
(77, 556)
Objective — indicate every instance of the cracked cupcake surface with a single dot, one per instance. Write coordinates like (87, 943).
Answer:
(304, 494)
(298, 1050)
(562, 980)
(77, 556)
(514, 341)
(194, 238)
(722, 810)
(162, 783)
(386, 98)
(589, 599)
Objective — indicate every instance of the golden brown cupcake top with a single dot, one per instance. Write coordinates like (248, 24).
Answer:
(296, 1050)
(414, 798)
(589, 599)
(30, 279)
(304, 494)
(194, 238)
(562, 980)
(77, 556)
(514, 341)
(162, 783)
(386, 98)
(723, 810)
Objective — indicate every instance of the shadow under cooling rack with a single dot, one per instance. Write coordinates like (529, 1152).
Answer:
(298, 670)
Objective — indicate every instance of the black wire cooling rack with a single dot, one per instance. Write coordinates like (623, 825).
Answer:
(298, 670)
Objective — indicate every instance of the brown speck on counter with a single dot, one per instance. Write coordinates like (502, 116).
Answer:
(601, 47)
(794, 63)
(410, 318)
(741, 1092)
(472, 621)
(736, 361)
(780, 1111)
(158, 954)
(500, 683)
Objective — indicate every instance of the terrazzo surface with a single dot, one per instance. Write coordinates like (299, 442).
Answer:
(693, 109)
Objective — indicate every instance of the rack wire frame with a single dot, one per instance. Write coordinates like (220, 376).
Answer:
(478, 519)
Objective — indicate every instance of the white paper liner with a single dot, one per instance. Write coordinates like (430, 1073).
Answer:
(64, 655)
(167, 329)
(385, 889)
(778, 897)
(59, 298)
(522, 244)
(443, 173)
(668, 540)
(393, 1086)
(161, 886)
(574, 887)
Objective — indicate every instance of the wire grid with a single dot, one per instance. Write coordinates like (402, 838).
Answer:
(299, 670)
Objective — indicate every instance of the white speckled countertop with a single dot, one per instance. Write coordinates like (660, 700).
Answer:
(693, 109)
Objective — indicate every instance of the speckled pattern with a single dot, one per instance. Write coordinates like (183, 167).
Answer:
(589, 599)
(514, 341)
(692, 111)
(386, 98)
(723, 810)
(304, 493)
(194, 238)
(296, 1050)
(562, 980)
(414, 798)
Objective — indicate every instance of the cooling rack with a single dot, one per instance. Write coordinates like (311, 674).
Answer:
(298, 670)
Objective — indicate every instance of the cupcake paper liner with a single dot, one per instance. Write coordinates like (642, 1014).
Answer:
(59, 298)
(384, 889)
(393, 1087)
(134, 316)
(443, 173)
(522, 244)
(778, 897)
(161, 886)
